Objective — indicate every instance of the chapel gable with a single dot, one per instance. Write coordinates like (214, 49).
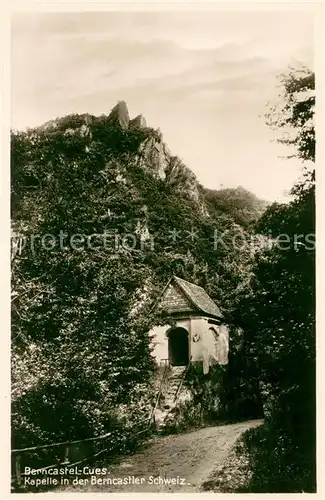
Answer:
(174, 300)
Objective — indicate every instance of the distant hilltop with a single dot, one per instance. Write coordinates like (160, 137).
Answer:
(120, 116)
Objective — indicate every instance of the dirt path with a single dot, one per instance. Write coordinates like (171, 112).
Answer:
(182, 461)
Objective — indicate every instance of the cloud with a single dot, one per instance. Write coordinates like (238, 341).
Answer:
(202, 77)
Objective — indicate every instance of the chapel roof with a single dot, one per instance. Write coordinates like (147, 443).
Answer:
(196, 298)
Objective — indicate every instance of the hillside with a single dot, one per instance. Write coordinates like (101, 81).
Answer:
(104, 215)
(242, 205)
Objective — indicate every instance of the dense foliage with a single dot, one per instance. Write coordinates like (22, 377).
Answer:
(243, 206)
(96, 234)
(278, 315)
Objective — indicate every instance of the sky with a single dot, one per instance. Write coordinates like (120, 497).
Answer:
(203, 78)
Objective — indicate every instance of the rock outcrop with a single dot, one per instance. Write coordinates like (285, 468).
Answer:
(153, 154)
(138, 122)
(120, 115)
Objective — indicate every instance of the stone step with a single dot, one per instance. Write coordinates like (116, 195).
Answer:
(172, 388)
(175, 377)
(170, 395)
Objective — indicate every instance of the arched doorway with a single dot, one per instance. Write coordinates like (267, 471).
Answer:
(178, 349)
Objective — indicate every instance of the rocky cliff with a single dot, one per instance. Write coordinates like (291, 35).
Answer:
(120, 115)
(154, 154)
(145, 145)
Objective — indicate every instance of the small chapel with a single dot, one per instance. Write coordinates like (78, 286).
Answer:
(195, 329)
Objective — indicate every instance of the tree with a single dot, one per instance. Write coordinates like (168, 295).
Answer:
(294, 114)
(278, 316)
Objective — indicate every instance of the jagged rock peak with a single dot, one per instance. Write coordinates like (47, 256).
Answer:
(120, 115)
(138, 122)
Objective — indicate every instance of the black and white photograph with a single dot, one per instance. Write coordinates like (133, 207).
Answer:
(162, 249)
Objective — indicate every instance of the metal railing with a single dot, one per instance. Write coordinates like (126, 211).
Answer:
(67, 445)
(162, 382)
(17, 474)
